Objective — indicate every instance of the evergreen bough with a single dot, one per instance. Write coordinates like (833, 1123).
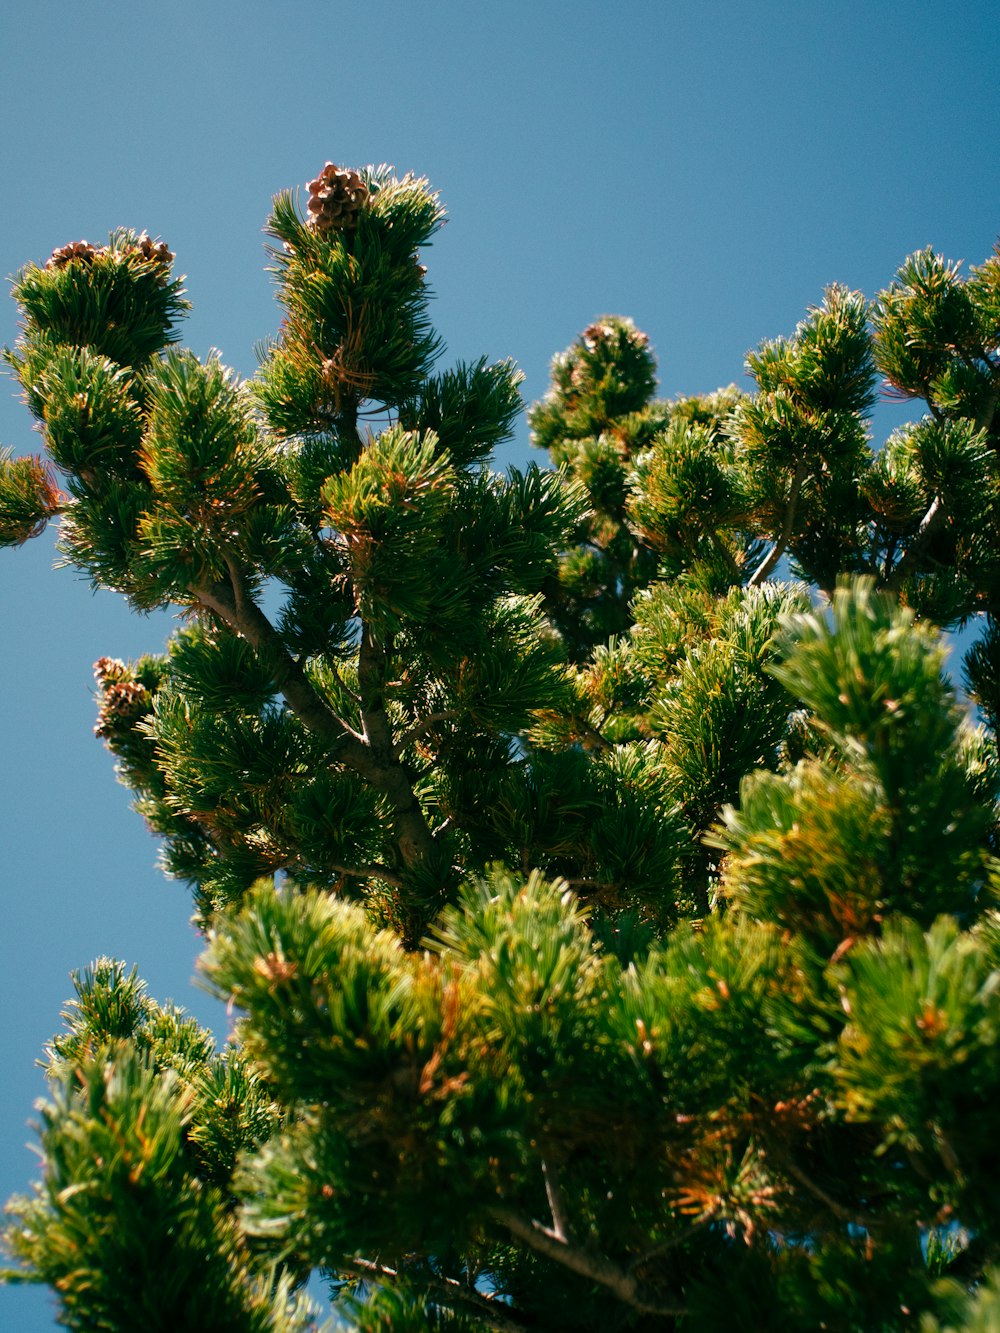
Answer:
(599, 858)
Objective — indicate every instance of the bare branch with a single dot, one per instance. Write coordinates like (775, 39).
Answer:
(557, 1203)
(241, 613)
(371, 755)
(839, 1210)
(671, 1243)
(936, 514)
(425, 724)
(493, 1313)
(597, 1267)
(370, 872)
(412, 832)
(588, 882)
(591, 733)
(766, 566)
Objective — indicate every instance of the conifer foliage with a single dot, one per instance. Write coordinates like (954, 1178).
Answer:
(599, 859)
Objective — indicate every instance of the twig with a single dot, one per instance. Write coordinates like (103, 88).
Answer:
(590, 731)
(494, 1314)
(778, 549)
(597, 1267)
(412, 832)
(929, 524)
(423, 725)
(557, 1203)
(670, 1243)
(588, 882)
(370, 872)
(369, 755)
(842, 1213)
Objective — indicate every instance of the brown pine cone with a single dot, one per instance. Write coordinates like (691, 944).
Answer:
(81, 250)
(109, 669)
(155, 252)
(122, 706)
(334, 199)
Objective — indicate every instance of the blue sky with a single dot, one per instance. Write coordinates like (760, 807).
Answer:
(705, 167)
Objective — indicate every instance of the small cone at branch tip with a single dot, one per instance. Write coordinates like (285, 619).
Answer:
(154, 252)
(335, 197)
(82, 251)
(601, 332)
(157, 252)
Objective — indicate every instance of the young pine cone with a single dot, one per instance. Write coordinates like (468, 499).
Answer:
(122, 706)
(155, 252)
(334, 199)
(81, 250)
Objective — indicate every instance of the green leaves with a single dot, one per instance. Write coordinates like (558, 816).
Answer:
(223, 1105)
(357, 325)
(332, 1004)
(200, 449)
(871, 672)
(936, 337)
(92, 415)
(387, 512)
(430, 548)
(220, 669)
(919, 1054)
(546, 687)
(28, 498)
(718, 713)
(118, 300)
(683, 489)
(827, 366)
(526, 944)
(608, 372)
(133, 1223)
(470, 409)
(123, 1229)
(890, 820)
(920, 319)
(807, 850)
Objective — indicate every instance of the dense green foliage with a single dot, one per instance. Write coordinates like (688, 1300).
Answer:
(613, 926)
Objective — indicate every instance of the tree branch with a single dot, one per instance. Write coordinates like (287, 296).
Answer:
(670, 1243)
(369, 872)
(592, 734)
(240, 612)
(370, 756)
(557, 1203)
(492, 1312)
(765, 567)
(423, 725)
(929, 524)
(596, 1267)
(839, 1210)
(412, 832)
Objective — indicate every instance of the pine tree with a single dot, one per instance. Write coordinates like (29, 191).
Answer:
(599, 857)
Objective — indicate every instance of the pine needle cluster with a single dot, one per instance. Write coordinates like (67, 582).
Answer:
(599, 859)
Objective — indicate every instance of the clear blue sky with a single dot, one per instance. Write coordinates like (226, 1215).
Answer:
(704, 166)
